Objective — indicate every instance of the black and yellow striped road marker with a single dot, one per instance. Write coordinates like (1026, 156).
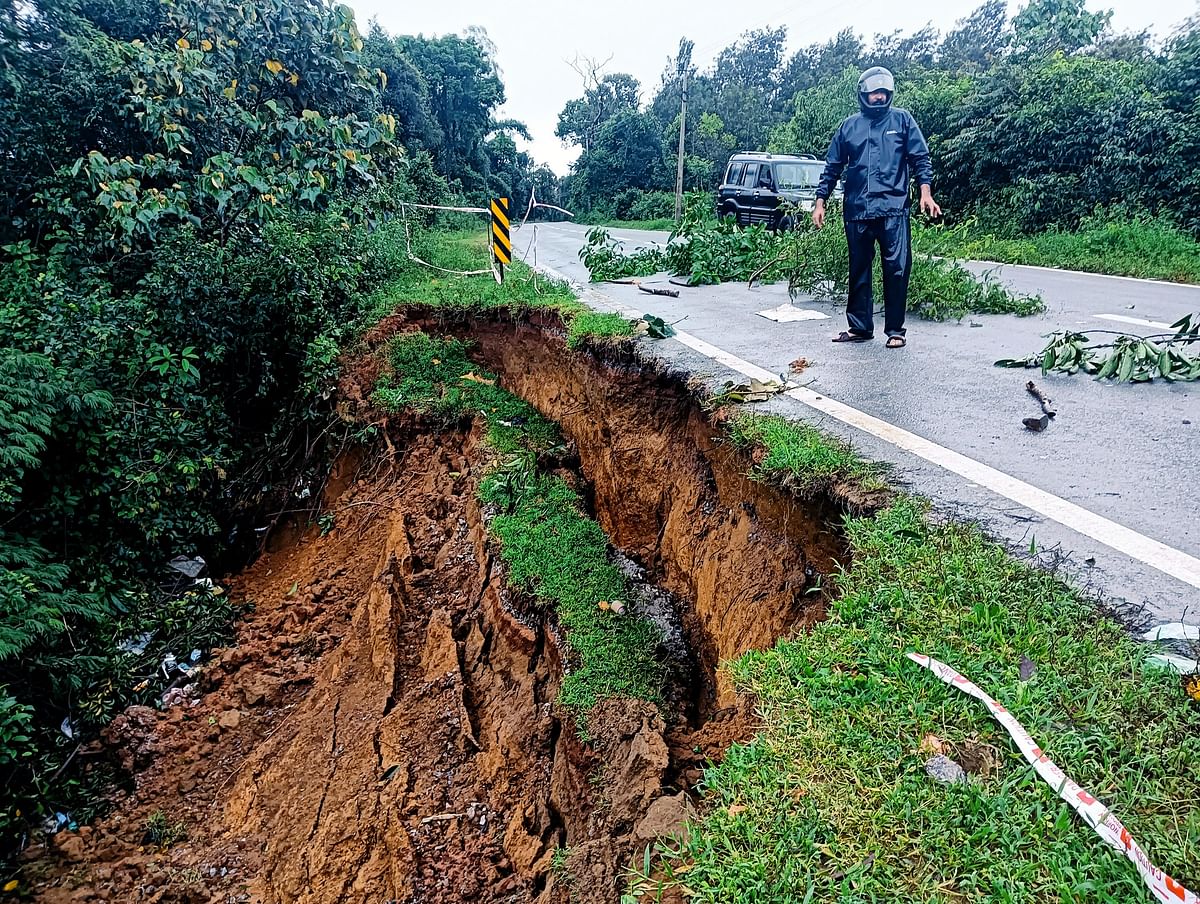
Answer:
(501, 242)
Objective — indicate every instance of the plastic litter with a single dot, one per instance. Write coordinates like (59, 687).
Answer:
(191, 568)
(789, 313)
(136, 646)
(1181, 664)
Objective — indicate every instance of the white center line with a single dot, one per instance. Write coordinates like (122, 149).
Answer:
(1121, 318)
(1137, 546)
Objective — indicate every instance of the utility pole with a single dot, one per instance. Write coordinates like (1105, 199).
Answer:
(679, 167)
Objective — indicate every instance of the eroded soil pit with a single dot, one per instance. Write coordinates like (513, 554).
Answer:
(386, 729)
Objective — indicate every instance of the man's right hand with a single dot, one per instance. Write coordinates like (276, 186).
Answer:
(818, 214)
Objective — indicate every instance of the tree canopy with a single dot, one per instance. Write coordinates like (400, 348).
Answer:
(1036, 120)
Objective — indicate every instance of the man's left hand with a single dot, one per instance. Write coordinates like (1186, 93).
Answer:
(929, 206)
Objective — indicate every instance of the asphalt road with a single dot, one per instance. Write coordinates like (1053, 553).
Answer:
(1109, 491)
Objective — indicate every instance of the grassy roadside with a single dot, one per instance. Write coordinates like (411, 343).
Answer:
(831, 801)
(457, 250)
(663, 224)
(800, 456)
(1149, 250)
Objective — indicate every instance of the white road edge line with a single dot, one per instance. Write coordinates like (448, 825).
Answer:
(1137, 321)
(1138, 546)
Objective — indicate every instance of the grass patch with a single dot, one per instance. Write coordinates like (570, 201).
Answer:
(435, 376)
(552, 549)
(1150, 249)
(801, 456)
(831, 802)
(522, 290)
(661, 224)
(594, 325)
(161, 832)
(466, 251)
(560, 556)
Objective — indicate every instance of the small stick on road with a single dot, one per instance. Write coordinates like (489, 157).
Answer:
(669, 293)
(1047, 405)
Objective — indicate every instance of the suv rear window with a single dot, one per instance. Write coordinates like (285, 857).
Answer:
(735, 173)
(750, 180)
(798, 175)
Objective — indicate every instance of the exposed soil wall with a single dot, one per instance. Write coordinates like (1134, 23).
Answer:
(749, 559)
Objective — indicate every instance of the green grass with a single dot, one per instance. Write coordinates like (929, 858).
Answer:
(558, 554)
(415, 284)
(551, 548)
(594, 325)
(663, 224)
(522, 291)
(433, 376)
(1147, 249)
(801, 456)
(831, 802)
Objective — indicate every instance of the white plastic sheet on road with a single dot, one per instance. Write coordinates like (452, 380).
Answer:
(1094, 813)
(789, 313)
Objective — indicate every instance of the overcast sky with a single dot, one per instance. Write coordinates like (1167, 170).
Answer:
(536, 39)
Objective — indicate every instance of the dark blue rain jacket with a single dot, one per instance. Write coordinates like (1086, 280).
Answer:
(877, 155)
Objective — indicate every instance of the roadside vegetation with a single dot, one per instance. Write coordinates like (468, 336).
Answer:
(801, 457)
(1056, 139)
(203, 205)
(832, 800)
(197, 207)
(1116, 245)
(814, 262)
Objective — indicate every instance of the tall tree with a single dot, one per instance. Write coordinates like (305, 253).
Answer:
(464, 90)
(604, 97)
(978, 41)
(1047, 26)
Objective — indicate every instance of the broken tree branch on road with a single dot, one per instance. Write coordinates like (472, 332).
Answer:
(1130, 359)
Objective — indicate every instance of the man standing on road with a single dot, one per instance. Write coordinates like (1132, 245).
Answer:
(876, 148)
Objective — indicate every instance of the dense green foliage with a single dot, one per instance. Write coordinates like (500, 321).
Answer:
(197, 207)
(814, 261)
(1034, 122)
(551, 548)
(1115, 244)
(831, 801)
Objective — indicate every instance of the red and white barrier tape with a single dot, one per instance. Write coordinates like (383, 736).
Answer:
(1094, 813)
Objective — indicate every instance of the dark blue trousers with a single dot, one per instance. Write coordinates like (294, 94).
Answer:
(894, 237)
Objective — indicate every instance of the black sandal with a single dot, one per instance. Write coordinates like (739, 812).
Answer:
(896, 342)
(851, 337)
